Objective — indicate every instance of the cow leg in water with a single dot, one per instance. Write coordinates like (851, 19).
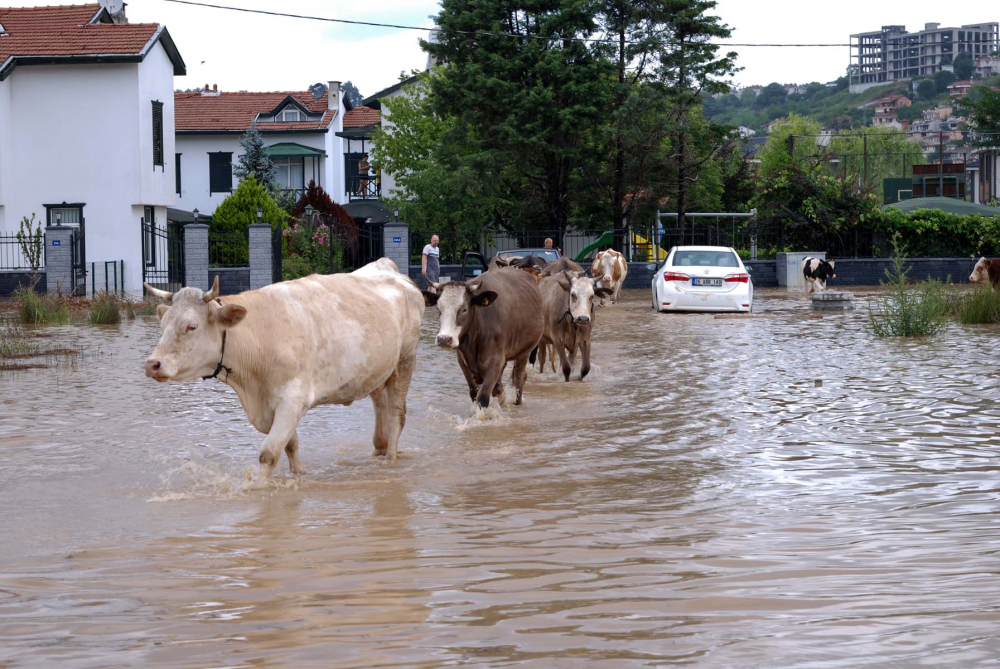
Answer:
(396, 390)
(498, 389)
(541, 356)
(566, 366)
(286, 419)
(519, 376)
(585, 353)
(618, 290)
(292, 451)
(494, 371)
(380, 402)
(473, 388)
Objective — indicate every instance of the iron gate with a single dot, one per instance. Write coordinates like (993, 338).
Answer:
(78, 258)
(163, 255)
(276, 250)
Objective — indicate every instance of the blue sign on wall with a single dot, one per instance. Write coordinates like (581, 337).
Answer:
(56, 242)
(397, 240)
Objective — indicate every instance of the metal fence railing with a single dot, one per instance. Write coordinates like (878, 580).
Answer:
(228, 250)
(12, 256)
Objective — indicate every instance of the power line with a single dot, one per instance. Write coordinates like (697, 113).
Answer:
(487, 33)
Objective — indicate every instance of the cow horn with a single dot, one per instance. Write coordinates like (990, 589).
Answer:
(214, 293)
(164, 295)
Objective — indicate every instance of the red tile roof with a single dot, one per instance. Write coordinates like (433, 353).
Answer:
(67, 31)
(359, 117)
(237, 111)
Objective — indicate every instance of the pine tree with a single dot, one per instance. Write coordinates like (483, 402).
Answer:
(254, 161)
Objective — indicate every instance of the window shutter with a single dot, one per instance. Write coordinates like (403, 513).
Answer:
(158, 133)
(220, 172)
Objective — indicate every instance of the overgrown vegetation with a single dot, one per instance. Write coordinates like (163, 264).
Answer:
(14, 343)
(40, 308)
(144, 307)
(980, 306)
(31, 242)
(105, 309)
(906, 310)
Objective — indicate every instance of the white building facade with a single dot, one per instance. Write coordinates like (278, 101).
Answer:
(87, 138)
(300, 131)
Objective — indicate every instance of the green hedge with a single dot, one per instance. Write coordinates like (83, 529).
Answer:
(931, 233)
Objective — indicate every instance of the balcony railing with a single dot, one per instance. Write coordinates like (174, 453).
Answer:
(364, 187)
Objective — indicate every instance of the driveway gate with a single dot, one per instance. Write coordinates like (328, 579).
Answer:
(163, 255)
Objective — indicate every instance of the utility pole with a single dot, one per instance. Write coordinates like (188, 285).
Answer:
(865, 138)
(940, 164)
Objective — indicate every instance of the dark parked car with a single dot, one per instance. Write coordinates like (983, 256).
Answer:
(474, 264)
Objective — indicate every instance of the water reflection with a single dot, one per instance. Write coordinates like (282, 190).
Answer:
(698, 500)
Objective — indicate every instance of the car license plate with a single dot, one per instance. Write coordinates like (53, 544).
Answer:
(706, 282)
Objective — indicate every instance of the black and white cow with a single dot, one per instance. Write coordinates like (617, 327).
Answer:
(817, 272)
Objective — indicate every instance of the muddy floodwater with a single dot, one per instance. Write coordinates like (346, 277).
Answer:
(775, 491)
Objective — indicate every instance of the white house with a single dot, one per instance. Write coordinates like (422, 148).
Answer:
(87, 126)
(303, 133)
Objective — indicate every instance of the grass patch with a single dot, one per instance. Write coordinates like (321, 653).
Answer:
(105, 309)
(145, 307)
(980, 306)
(906, 310)
(40, 308)
(14, 343)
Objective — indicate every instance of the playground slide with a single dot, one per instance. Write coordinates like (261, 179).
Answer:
(641, 242)
(604, 240)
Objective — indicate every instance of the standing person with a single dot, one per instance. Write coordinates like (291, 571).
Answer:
(363, 167)
(430, 262)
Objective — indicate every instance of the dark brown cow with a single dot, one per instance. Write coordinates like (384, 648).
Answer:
(569, 317)
(986, 270)
(564, 264)
(488, 322)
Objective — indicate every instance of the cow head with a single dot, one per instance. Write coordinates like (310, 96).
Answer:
(582, 290)
(191, 343)
(457, 303)
(981, 272)
(603, 267)
(833, 266)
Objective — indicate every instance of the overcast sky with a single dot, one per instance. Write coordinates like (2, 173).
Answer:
(251, 52)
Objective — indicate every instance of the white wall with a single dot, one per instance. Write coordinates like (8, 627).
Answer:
(335, 155)
(194, 150)
(83, 134)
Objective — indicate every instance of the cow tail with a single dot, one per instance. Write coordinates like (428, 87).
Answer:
(534, 356)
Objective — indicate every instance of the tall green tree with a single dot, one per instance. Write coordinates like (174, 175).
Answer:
(870, 155)
(772, 94)
(792, 142)
(983, 108)
(527, 107)
(254, 161)
(964, 66)
(689, 68)
(352, 94)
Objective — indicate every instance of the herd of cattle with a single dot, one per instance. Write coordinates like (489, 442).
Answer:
(334, 339)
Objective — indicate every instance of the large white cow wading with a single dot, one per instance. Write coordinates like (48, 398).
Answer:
(291, 346)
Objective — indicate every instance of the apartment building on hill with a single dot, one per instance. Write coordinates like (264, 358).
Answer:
(893, 54)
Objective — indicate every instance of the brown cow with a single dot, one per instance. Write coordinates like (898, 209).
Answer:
(564, 264)
(611, 269)
(569, 317)
(488, 322)
(986, 270)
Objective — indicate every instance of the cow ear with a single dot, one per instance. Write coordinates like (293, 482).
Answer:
(430, 299)
(229, 315)
(161, 311)
(484, 299)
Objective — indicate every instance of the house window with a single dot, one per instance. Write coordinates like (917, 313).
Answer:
(290, 116)
(289, 172)
(65, 215)
(177, 173)
(220, 172)
(157, 134)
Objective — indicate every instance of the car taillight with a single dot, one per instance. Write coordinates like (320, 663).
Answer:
(738, 278)
(674, 276)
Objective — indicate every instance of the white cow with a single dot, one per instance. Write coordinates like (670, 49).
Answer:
(610, 268)
(291, 346)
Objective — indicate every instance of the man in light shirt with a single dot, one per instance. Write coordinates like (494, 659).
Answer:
(430, 262)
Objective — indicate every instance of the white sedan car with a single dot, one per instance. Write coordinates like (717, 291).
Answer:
(702, 278)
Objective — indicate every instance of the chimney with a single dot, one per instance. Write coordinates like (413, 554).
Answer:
(215, 88)
(334, 95)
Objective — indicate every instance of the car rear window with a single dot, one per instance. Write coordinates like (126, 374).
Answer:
(705, 259)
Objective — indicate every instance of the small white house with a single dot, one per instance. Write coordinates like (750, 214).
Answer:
(301, 131)
(87, 127)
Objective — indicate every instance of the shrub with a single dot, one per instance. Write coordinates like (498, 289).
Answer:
(145, 307)
(40, 308)
(29, 238)
(14, 343)
(931, 233)
(239, 210)
(980, 306)
(904, 310)
(105, 310)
